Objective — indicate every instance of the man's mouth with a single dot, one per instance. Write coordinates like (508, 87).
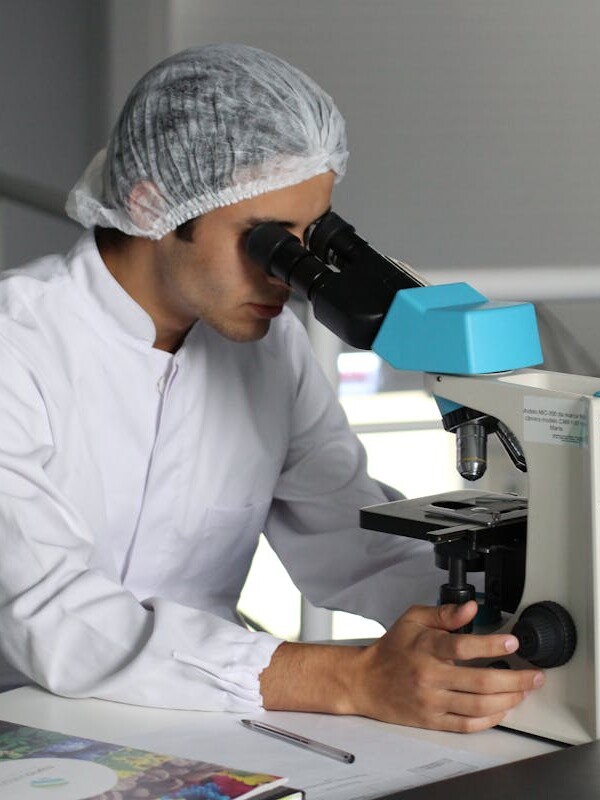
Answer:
(266, 311)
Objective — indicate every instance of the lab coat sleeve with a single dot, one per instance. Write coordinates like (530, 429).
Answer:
(72, 629)
(314, 521)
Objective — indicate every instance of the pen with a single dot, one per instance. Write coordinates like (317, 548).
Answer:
(301, 741)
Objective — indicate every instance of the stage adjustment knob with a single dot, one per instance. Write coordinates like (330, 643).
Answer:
(546, 633)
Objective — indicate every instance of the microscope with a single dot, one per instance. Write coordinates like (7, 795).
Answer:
(538, 556)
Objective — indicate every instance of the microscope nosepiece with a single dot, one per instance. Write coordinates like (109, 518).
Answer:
(471, 450)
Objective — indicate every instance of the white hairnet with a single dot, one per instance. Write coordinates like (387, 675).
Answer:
(206, 128)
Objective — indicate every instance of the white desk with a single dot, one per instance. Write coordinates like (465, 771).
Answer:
(382, 751)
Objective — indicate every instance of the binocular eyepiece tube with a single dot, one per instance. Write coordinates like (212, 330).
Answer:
(349, 284)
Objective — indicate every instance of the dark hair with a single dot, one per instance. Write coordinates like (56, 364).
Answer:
(184, 232)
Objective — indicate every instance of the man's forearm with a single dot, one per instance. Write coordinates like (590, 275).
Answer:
(312, 677)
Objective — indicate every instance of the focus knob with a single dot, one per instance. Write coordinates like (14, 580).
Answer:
(546, 633)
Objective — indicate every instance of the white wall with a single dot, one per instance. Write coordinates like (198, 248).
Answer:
(52, 101)
(66, 67)
(474, 126)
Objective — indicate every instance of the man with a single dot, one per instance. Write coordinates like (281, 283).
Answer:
(160, 407)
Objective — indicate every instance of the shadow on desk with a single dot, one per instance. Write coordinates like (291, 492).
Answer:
(570, 773)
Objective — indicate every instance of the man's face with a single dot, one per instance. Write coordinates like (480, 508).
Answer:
(212, 278)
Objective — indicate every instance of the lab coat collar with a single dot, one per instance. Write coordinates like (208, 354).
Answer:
(113, 303)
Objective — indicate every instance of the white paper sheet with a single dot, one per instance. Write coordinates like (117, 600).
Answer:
(387, 758)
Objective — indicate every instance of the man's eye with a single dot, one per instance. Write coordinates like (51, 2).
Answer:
(309, 231)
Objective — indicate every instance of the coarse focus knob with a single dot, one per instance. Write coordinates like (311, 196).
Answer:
(546, 633)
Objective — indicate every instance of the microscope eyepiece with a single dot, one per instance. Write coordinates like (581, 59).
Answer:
(282, 255)
(336, 242)
(332, 239)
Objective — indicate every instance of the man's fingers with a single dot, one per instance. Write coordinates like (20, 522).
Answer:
(446, 617)
(487, 681)
(481, 705)
(465, 713)
(457, 723)
(468, 646)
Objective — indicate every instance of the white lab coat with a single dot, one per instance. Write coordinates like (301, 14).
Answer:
(134, 484)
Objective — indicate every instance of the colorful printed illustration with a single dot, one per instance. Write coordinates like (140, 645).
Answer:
(139, 773)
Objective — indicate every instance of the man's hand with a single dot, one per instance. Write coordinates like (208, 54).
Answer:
(408, 677)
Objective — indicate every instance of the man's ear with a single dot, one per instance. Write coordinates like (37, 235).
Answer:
(145, 205)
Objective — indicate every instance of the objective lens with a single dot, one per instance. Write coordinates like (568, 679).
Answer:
(471, 450)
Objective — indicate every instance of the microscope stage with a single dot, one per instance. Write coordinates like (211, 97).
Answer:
(448, 517)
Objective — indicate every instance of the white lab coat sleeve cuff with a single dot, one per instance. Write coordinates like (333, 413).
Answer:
(239, 681)
(215, 664)
(239, 678)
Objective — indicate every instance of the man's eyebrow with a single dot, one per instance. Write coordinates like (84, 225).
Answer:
(286, 223)
(252, 221)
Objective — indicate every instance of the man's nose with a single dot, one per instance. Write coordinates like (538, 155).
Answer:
(274, 281)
